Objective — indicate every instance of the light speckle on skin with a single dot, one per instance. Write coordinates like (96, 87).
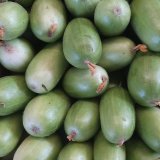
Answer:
(156, 39)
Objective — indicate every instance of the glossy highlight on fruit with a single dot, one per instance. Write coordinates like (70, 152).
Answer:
(39, 148)
(112, 17)
(81, 42)
(81, 8)
(147, 126)
(10, 133)
(15, 55)
(44, 114)
(48, 19)
(82, 120)
(117, 53)
(145, 22)
(13, 20)
(104, 150)
(14, 94)
(76, 151)
(46, 69)
(117, 115)
(86, 83)
(143, 80)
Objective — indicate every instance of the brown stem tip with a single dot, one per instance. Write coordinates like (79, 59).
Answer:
(52, 29)
(91, 67)
(157, 103)
(1, 33)
(140, 47)
(71, 136)
(102, 85)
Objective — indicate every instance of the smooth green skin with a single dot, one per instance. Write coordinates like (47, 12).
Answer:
(44, 14)
(10, 133)
(117, 115)
(81, 42)
(145, 22)
(112, 17)
(33, 148)
(78, 151)
(45, 113)
(137, 150)
(14, 18)
(80, 8)
(82, 118)
(15, 55)
(116, 53)
(25, 3)
(84, 84)
(14, 94)
(147, 122)
(143, 80)
(148, 53)
(46, 69)
(104, 150)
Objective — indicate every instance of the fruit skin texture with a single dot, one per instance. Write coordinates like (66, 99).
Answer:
(81, 42)
(138, 150)
(117, 115)
(145, 22)
(14, 94)
(78, 151)
(81, 8)
(39, 148)
(148, 120)
(46, 69)
(44, 114)
(48, 19)
(10, 133)
(104, 150)
(16, 54)
(112, 16)
(117, 53)
(14, 20)
(83, 119)
(84, 84)
(143, 80)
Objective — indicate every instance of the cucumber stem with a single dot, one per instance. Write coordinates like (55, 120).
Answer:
(157, 103)
(91, 67)
(1, 33)
(102, 85)
(71, 136)
(52, 29)
(140, 47)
